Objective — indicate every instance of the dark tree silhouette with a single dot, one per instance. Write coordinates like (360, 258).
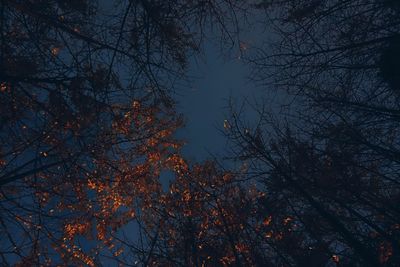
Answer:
(88, 125)
(87, 118)
(333, 158)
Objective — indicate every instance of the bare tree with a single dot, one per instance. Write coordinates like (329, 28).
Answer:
(331, 163)
(87, 113)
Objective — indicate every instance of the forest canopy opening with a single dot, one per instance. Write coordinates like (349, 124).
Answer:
(92, 171)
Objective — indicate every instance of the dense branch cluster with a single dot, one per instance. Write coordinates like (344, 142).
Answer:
(88, 136)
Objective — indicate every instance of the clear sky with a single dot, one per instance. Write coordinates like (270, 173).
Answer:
(215, 79)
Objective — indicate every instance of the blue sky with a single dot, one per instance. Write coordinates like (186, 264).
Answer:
(215, 78)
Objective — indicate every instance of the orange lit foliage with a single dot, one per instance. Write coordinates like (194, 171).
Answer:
(208, 218)
(212, 217)
(78, 156)
(121, 183)
(99, 193)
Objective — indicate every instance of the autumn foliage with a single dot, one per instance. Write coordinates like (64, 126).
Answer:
(92, 172)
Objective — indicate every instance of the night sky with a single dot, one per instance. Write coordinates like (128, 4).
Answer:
(291, 133)
(215, 80)
(217, 76)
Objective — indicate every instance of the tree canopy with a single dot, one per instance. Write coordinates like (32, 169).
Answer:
(88, 134)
